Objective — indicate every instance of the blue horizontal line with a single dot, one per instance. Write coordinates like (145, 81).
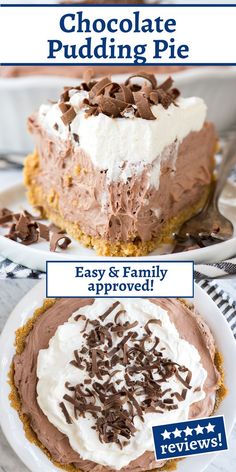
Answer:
(120, 5)
(117, 296)
(5, 64)
(123, 261)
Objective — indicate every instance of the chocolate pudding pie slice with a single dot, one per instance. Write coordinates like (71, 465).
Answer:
(121, 166)
(91, 377)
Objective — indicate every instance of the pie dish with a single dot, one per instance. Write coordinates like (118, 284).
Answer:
(88, 380)
(121, 166)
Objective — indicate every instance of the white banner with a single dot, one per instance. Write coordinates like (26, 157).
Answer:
(124, 279)
(141, 35)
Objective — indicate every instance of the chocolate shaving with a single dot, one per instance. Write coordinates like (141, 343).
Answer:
(123, 328)
(43, 231)
(143, 106)
(119, 100)
(65, 413)
(126, 94)
(111, 106)
(109, 311)
(114, 404)
(99, 87)
(63, 107)
(27, 229)
(121, 312)
(143, 75)
(80, 317)
(69, 387)
(167, 84)
(5, 216)
(185, 382)
(146, 327)
(55, 241)
(68, 116)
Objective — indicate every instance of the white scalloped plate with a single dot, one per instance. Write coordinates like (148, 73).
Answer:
(12, 427)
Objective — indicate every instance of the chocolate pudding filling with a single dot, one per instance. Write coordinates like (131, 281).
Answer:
(132, 209)
(33, 339)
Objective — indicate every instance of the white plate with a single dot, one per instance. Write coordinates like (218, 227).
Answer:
(12, 427)
(20, 96)
(36, 255)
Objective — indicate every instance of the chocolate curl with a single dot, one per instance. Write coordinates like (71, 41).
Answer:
(175, 93)
(116, 100)
(91, 110)
(32, 237)
(98, 88)
(68, 116)
(43, 231)
(5, 216)
(55, 242)
(112, 90)
(111, 106)
(167, 84)
(63, 107)
(65, 96)
(22, 225)
(127, 94)
(143, 75)
(146, 327)
(143, 106)
(109, 311)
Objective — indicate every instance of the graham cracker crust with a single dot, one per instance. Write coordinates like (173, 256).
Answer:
(51, 211)
(21, 335)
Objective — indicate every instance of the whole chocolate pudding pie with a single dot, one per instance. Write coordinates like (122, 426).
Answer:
(91, 377)
(121, 166)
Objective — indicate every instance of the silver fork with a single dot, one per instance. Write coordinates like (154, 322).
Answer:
(209, 226)
(11, 160)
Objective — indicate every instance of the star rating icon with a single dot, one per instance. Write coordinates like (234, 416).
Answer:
(210, 428)
(199, 429)
(166, 434)
(177, 433)
(188, 431)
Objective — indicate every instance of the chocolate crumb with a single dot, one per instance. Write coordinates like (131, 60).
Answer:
(76, 137)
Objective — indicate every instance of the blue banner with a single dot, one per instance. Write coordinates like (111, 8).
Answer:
(190, 437)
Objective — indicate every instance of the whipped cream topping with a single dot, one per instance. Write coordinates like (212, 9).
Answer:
(54, 369)
(124, 146)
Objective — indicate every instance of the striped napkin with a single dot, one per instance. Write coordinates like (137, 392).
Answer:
(226, 304)
(9, 269)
